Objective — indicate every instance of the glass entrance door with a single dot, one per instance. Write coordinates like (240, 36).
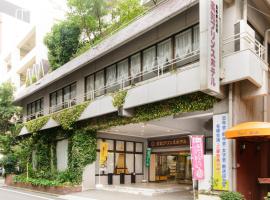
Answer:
(173, 167)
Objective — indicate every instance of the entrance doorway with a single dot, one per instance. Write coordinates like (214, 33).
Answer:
(173, 168)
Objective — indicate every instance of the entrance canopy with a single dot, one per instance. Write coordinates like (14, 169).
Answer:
(249, 129)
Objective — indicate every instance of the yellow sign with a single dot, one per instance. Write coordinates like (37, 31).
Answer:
(103, 154)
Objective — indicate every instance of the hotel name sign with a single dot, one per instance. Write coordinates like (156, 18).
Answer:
(181, 141)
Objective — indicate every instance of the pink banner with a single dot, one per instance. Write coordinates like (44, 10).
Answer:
(197, 156)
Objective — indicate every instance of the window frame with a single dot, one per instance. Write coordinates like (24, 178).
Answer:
(114, 151)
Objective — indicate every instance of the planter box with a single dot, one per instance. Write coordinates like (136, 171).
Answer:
(61, 190)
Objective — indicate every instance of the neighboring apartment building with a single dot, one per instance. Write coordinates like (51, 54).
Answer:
(181, 48)
(23, 53)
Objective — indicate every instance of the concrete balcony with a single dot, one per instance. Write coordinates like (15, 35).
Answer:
(27, 61)
(243, 60)
(164, 85)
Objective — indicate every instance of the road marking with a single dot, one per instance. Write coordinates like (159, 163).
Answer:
(72, 197)
(26, 194)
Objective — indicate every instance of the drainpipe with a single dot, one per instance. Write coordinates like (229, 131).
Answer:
(232, 142)
(265, 98)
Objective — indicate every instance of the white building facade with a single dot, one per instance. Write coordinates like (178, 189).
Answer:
(181, 51)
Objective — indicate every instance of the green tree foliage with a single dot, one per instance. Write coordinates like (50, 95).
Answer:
(7, 112)
(89, 15)
(7, 109)
(62, 43)
(126, 10)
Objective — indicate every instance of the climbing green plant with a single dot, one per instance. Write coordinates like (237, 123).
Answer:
(119, 98)
(67, 117)
(82, 151)
(36, 124)
(187, 103)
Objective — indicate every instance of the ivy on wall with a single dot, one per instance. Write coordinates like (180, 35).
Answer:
(67, 117)
(82, 141)
(187, 103)
(82, 151)
(36, 124)
(119, 98)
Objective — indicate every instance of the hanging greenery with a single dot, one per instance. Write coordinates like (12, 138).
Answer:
(36, 124)
(119, 98)
(187, 103)
(82, 151)
(67, 117)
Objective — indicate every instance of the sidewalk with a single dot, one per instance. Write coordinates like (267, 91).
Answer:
(109, 195)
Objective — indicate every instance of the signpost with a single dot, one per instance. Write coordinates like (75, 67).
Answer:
(197, 159)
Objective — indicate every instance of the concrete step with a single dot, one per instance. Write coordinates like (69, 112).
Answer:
(146, 190)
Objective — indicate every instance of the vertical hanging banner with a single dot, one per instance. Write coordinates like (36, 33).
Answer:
(103, 154)
(197, 156)
(220, 153)
(209, 45)
(148, 157)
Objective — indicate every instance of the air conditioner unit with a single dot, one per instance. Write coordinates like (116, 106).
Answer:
(244, 36)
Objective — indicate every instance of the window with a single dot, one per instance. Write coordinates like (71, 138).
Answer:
(99, 83)
(183, 45)
(164, 52)
(35, 109)
(135, 67)
(123, 157)
(149, 58)
(111, 79)
(122, 72)
(196, 38)
(63, 98)
(90, 86)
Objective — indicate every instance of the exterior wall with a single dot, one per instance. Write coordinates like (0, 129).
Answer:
(62, 155)
(163, 31)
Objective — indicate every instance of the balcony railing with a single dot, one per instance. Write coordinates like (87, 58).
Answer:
(34, 116)
(157, 71)
(243, 41)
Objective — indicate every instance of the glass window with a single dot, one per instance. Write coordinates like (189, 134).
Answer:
(90, 86)
(59, 97)
(149, 59)
(73, 91)
(196, 37)
(130, 146)
(120, 145)
(53, 99)
(130, 163)
(138, 163)
(120, 163)
(111, 75)
(122, 72)
(139, 147)
(110, 144)
(99, 83)
(135, 65)
(110, 162)
(111, 78)
(164, 52)
(28, 109)
(66, 93)
(183, 45)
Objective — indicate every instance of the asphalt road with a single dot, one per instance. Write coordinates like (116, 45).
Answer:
(7, 193)
(14, 194)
